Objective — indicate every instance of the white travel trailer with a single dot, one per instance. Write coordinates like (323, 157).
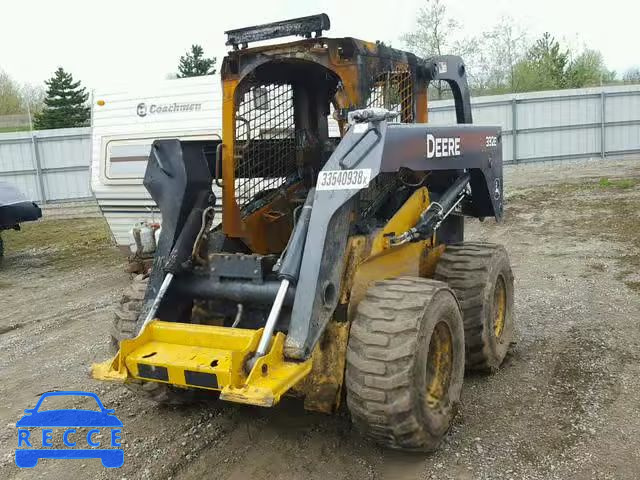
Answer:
(126, 121)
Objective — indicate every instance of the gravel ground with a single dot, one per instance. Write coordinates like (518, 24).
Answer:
(565, 405)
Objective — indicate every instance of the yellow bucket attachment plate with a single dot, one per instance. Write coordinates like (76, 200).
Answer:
(269, 379)
(207, 357)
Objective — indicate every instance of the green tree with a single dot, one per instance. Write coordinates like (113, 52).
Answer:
(194, 64)
(502, 48)
(543, 68)
(549, 62)
(588, 70)
(632, 75)
(65, 105)
(438, 33)
(32, 97)
(547, 66)
(504, 59)
(10, 101)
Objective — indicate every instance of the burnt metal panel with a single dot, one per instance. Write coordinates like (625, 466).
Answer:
(303, 27)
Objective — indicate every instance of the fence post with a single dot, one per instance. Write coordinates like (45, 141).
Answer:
(603, 138)
(514, 129)
(36, 157)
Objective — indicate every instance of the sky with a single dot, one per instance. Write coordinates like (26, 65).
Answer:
(116, 42)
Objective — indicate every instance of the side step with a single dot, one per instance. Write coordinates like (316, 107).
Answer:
(206, 357)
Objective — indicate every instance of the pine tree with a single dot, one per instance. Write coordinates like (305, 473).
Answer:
(65, 105)
(193, 64)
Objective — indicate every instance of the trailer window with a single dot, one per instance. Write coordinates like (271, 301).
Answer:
(127, 160)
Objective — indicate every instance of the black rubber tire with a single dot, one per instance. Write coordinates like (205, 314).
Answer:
(472, 270)
(387, 360)
(124, 326)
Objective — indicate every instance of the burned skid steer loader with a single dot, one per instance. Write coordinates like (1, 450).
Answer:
(340, 263)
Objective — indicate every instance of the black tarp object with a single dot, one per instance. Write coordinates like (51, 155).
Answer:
(15, 208)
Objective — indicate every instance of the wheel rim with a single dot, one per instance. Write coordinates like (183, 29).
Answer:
(439, 365)
(499, 306)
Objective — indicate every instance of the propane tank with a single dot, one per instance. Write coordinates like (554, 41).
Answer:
(147, 239)
(135, 242)
(143, 238)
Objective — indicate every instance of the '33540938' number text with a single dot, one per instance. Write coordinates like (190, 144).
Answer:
(344, 179)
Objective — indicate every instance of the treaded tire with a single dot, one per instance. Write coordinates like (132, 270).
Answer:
(473, 270)
(388, 355)
(124, 326)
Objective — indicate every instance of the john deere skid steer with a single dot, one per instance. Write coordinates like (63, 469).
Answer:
(340, 264)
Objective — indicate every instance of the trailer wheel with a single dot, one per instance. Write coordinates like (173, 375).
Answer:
(405, 363)
(124, 326)
(481, 277)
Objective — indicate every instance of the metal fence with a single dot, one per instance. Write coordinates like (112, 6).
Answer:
(48, 165)
(558, 125)
(53, 165)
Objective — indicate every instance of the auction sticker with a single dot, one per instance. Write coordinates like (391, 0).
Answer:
(344, 179)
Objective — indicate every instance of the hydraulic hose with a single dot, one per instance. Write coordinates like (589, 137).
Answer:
(433, 216)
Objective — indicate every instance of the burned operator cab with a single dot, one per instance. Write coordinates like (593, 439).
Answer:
(340, 260)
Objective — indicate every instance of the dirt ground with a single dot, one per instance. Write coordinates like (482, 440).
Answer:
(564, 406)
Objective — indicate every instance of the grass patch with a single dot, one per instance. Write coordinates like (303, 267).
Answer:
(621, 183)
(66, 243)
(14, 129)
(635, 286)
